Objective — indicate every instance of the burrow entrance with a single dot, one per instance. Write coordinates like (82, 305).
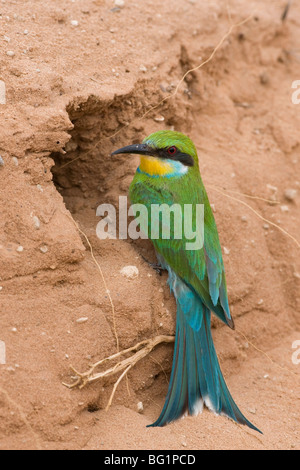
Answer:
(86, 175)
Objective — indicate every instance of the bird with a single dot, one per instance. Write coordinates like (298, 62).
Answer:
(169, 174)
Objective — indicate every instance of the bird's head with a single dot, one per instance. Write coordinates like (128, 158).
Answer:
(164, 153)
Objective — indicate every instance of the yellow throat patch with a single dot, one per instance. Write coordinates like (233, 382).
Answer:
(155, 166)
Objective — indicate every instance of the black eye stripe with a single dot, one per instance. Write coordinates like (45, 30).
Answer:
(185, 159)
(178, 156)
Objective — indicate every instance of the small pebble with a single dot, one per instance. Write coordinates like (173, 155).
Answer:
(290, 194)
(264, 78)
(119, 3)
(1, 288)
(71, 146)
(44, 249)
(20, 249)
(272, 188)
(140, 407)
(284, 208)
(74, 23)
(266, 226)
(82, 320)
(131, 272)
(10, 53)
(6, 38)
(15, 160)
(143, 68)
(36, 222)
(159, 119)
(1, 161)
(226, 250)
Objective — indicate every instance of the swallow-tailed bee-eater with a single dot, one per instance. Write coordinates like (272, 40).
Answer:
(168, 174)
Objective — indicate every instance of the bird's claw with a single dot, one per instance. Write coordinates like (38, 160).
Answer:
(157, 267)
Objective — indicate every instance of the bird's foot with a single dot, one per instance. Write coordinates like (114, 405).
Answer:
(157, 267)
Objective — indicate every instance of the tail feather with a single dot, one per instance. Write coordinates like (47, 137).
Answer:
(196, 377)
(176, 399)
(191, 366)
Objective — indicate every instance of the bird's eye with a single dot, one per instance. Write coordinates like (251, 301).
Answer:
(172, 150)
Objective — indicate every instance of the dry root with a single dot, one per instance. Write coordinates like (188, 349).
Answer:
(142, 350)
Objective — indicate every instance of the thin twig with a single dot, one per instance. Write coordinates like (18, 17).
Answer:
(265, 354)
(286, 11)
(170, 95)
(116, 386)
(102, 276)
(143, 348)
(258, 215)
(15, 405)
(269, 201)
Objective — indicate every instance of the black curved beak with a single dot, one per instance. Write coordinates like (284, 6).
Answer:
(139, 149)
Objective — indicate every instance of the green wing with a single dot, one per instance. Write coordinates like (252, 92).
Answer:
(201, 269)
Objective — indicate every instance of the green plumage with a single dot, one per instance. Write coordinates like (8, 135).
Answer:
(202, 269)
(196, 276)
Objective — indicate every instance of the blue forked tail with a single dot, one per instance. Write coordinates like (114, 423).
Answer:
(196, 377)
